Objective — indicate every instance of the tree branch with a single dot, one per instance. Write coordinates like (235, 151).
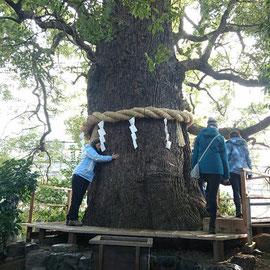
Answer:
(56, 23)
(197, 86)
(45, 110)
(254, 141)
(199, 64)
(220, 30)
(224, 27)
(245, 133)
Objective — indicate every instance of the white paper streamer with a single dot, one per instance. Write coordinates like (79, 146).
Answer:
(82, 140)
(133, 130)
(168, 142)
(102, 134)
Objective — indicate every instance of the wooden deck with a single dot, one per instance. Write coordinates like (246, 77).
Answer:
(45, 228)
(198, 235)
(262, 221)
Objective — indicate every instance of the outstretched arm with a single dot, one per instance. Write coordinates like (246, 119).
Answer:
(94, 155)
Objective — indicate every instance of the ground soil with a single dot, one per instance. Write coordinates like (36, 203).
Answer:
(201, 253)
(205, 259)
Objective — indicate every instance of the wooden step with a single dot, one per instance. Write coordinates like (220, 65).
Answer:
(226, 225)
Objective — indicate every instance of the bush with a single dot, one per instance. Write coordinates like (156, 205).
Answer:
(226, 205)
(17, 181)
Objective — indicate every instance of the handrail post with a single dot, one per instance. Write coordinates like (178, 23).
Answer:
(244, 194)
(248, 223)
(69, 200)
(218, 202)
(31, 208)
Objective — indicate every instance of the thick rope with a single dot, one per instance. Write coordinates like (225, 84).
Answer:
(147, 112)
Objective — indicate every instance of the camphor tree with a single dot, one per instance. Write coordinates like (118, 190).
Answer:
(141, 53)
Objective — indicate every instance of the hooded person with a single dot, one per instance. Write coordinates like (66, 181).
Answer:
(213, 166)
(83, 175)
(239, 157)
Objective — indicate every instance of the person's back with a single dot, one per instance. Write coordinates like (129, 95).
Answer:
(238, 156)
(213, 165)
(215, 159)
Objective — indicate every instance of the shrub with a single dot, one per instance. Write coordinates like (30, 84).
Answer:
(17, 181)
(226, 205)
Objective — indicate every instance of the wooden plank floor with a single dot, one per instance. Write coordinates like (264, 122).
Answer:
(261, 220)
(199, 235)
(44, 228)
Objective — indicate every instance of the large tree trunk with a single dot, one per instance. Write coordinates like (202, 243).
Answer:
(147, 187)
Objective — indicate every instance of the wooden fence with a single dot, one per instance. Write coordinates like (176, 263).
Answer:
(33, 203)
(248, 198)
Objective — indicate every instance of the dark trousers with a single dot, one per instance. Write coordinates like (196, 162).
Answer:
(213, 182)
(235, 180)
(79, 187)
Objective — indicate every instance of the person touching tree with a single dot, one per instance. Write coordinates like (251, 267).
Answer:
(82, 176)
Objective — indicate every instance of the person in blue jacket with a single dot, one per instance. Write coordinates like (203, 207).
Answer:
(82, 176)
(214, 167)
(239, 157)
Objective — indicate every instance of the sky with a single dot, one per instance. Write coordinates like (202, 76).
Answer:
(23, 100)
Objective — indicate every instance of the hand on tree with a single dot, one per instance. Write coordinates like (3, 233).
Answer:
(115, 156)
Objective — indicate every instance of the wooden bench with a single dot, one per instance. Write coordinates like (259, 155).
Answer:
(121, 252)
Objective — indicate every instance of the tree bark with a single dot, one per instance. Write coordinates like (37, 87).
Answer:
(148, 187)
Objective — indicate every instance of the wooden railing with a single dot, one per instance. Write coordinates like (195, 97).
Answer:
(247, 197)
(33, 203)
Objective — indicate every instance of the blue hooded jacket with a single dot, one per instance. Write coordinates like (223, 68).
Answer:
(238, 154)
(215, 160)
(88, 161)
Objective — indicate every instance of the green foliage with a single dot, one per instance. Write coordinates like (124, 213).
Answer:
(265, 78)
(17, 181)
(53, 196)
(161, 55)
(97, 25)
(250, 114)
(5, 93)
(145, 9)
(139, 9)
(70, 163)
(226, 205)
(17, 145)
(73, 125)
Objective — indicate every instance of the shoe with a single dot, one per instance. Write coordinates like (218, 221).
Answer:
(240, 215)
(74, 223)
(226, 182)
(212, 230)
